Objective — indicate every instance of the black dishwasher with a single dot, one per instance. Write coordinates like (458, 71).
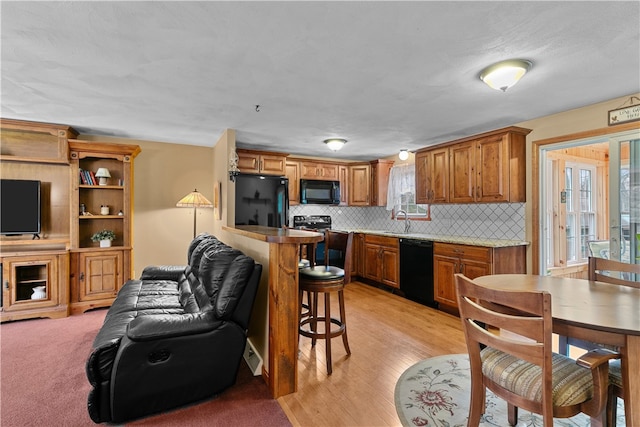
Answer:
(416, 270)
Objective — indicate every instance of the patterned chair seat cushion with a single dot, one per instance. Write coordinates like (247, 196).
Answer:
(571, 384)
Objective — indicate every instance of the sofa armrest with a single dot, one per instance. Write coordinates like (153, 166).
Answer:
(163, 272)
(159, 326)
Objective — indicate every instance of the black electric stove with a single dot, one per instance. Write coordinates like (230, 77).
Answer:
(315, 222)
(318, 223)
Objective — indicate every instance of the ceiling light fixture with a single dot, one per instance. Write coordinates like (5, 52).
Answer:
(335, 144)
(404, 154)
(502, 75)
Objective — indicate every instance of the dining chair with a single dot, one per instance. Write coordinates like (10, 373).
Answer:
(608, 271)
(623, 274)
(326, 279)
(523, 370)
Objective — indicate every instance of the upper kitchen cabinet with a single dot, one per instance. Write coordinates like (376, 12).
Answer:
(380, 170)
(432, 173)
(359, 184)
(292, 168)
(269, 163)
(484, 168)
(318, 170)
(368, 183)
(343, 174)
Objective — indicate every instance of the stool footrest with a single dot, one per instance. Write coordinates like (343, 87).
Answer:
(321, 335)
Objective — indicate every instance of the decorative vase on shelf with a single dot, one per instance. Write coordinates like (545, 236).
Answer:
(38, 293)
(105, 243)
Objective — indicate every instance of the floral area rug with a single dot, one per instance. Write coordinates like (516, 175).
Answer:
(436, 392)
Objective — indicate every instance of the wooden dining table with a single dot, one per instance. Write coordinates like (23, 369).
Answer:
(593, 311)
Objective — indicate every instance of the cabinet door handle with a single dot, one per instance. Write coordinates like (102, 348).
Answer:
(6, 284)
(461, 268)
(82, 276)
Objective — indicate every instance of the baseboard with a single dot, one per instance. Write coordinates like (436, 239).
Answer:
(253, 359)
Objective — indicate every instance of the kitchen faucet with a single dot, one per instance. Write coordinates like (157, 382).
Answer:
(407, 223)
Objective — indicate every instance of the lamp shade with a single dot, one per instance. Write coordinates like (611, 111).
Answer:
(404, 154)
(335, 144)
(503, 75)
(194, 200)
(103, 173)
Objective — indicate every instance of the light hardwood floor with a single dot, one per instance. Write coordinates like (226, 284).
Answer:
(387, 334)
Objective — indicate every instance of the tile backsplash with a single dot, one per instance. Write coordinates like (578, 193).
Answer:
(491, 220)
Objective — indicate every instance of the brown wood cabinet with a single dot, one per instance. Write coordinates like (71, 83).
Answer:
(269, 163)
(484, 168)
(37, 151)
(381, 259)
(318, 170)
(472, 261)
(96, 272)
(359, 184)
(292, 172)
(22, 273)
(432, 176)
(343, 177)
(357, 265)
(76, 273)
(380, 170)
(101, 274)
(368, 183)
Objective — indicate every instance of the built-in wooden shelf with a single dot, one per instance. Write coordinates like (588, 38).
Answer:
(96, 217)
(102, 187)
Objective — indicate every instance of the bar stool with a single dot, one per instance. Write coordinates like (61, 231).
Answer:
(307, 259)
(326, 279)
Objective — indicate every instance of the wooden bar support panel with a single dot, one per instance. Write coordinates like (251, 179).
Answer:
(284, 247)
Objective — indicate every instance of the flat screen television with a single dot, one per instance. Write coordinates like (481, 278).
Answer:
(19, 207)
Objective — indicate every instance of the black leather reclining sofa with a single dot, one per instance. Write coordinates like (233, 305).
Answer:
(175, 336)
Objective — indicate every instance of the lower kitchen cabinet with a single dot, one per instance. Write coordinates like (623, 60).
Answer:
(381, 260)
(472, 261)
(35, 285)
(97, 277)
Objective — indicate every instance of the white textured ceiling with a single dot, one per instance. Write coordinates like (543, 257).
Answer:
(383, 75)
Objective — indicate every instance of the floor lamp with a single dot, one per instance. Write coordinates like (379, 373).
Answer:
(194, 200)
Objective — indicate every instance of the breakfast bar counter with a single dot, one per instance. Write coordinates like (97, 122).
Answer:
(284, 252)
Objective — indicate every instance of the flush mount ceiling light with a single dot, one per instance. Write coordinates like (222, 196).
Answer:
(404, 154)
(503, 75)
(335, 144)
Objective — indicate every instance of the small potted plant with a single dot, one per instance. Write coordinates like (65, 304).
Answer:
(104, 237)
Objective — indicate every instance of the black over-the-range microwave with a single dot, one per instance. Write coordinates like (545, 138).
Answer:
(319, 192)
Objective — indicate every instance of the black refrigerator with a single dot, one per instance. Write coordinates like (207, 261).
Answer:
(262, 200)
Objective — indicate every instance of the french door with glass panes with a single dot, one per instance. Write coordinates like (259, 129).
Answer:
(591, 202)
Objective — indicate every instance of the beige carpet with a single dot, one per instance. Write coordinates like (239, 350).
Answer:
(435, 392)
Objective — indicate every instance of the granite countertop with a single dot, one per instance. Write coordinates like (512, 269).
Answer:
(474, 241)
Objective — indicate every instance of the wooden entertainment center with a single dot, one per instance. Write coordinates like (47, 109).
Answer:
(76, 273)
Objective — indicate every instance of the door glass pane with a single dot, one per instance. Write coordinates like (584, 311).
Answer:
(568, 184)
(629, 205)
